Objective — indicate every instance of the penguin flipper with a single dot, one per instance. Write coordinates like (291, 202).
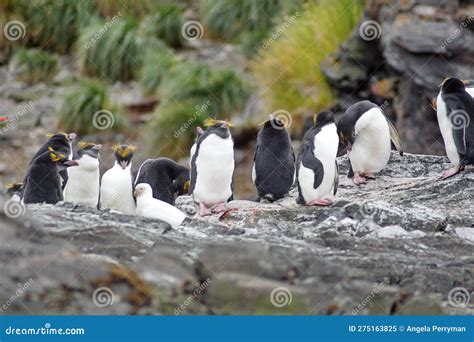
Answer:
(350, 174)
(460, 113)
(395, 137)
(336, 178)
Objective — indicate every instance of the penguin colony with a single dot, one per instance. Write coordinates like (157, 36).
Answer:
(61, 172)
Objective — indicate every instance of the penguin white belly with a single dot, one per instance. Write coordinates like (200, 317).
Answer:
(83, 183)
(371, 149)
(116, 190)
(151, 207)
(446, 131)
(214, 169)
(326, 143)
(470, 91)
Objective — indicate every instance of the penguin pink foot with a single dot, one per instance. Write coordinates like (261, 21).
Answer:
(358, 179)
(451, 172)
(320, 202)
(203, 210)
(218, 208)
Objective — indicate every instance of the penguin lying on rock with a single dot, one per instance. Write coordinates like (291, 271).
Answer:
(273, 170)
(116, 188)
(316, 169)
(212, 168)
(365, 133)
(151, 207)
(455, 112)
(167, 178)
(14, 191)
(43, 182)
(84, 180)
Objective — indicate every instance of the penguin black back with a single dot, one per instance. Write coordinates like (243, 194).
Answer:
(167, 178)
(43, 182)
(460, 112)
(274, 161)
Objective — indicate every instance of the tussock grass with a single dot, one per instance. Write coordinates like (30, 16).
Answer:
(289, 68)
(33, 65)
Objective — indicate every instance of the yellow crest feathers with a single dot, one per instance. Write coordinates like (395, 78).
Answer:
(84, 144)
(211, 122)
(123, 150)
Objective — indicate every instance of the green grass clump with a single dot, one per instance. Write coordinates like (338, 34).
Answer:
(54, 25)
(289, 68)
(132, 8)
(110, 50)
(157, 61)
(166, 23)
(33, 65)
(188, 95)
(78, 111)
(227, 19)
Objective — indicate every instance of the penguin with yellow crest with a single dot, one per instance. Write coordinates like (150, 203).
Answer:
(116, 188)
(212, 167)
(84, 180)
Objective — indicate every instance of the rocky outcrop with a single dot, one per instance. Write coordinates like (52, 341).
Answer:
(398, 56)
(398, 245)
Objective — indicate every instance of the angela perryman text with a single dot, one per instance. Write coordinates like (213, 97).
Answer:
(406, 329)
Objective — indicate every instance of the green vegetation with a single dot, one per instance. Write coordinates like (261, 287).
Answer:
(227, 19)
(157, 62)
(110, 50)
(133, 8)
(289, 68)
(33, 65)
(189, 94)
(79, 108)
(166, 24)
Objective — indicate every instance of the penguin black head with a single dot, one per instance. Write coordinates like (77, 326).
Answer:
(324, 118)
(452, 85)
(274, 123)
(89, 149)
(14, 188)
(61, 160)
(61, 141)
(123, 155)
(218, 127)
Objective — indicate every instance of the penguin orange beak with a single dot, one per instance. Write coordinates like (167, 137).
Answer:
(3, 118)
(72, 136)
(123, 164)
(97, 147)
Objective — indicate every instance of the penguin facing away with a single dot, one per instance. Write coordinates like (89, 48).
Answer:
(116, 188)
(455, 112)
(273, 170)
(14, 191)
(166, 178)
(212, 168)
(149, 206)
(365, 133)
(316, 170)
(43, 182)
(84, 180)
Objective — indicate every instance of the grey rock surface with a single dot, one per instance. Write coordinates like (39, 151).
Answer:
(398, 245)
